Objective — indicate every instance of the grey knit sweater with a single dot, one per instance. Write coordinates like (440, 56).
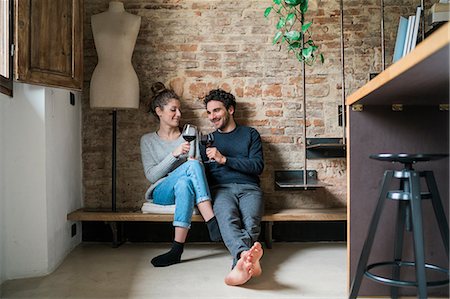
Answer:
(158, 160)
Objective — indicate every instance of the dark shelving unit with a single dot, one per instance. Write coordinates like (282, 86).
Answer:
(293, 179)
(320, 148)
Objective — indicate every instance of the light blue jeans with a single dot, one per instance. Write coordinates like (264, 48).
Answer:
(238, 209)
(185, 187)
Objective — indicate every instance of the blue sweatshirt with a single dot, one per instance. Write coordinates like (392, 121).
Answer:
(243, 149)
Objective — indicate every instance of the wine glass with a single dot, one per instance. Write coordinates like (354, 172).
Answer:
(207, 139)
(189, 132)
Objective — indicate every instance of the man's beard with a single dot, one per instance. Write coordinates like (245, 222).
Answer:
(225, 122)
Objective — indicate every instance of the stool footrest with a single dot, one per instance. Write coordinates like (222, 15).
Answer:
(401, 195)
(405, 283)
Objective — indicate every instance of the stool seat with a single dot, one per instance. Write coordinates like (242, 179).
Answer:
(407, 158)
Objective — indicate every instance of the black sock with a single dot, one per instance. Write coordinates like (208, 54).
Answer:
(213, 228)
(171, 257)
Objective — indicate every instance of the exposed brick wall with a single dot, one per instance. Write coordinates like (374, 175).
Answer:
(201, 45)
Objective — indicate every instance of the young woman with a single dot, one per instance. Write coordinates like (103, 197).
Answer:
(175, 178)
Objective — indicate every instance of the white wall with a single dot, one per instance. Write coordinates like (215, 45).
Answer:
(24, 183)
(40, 179)
(63, 169)
(3, 102)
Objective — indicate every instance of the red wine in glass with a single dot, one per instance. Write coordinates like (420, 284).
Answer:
(207, 140)
(189, 132)
(189, 138)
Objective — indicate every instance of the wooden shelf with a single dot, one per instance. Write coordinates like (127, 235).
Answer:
(330, 214)
(270, 216)
(320, 214)
(428, 81)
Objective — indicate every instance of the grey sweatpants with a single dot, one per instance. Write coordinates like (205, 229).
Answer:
(238, 209)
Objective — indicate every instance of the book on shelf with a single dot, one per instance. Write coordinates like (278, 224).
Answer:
(400, 40)
(409, 33)
(415, 29)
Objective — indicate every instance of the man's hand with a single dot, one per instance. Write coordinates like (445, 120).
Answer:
(181, 149)
(213, 154)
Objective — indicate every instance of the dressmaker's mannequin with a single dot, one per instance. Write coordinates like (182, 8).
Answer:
(114, 83)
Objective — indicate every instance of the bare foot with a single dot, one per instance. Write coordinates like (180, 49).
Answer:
(256, 253)
(240, 274)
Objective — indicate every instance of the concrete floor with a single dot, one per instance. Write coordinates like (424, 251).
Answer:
(290, 270)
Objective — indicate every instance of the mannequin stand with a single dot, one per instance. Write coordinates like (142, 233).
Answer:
(113, 157)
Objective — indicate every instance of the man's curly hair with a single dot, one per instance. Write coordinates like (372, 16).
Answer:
(221, 95)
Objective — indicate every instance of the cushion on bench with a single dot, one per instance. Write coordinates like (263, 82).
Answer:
(152, 208)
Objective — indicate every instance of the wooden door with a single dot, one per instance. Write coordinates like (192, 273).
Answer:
(49, 43)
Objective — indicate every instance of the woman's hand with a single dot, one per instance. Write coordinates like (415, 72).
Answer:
(181, 149)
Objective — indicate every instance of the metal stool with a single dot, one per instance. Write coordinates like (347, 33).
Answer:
(409, 216)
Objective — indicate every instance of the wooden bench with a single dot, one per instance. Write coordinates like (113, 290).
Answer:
(113, 218)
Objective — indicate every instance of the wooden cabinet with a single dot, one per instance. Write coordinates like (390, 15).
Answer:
(420, 84)
(49, 42)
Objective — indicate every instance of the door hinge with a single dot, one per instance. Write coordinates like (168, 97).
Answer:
(397, 107)
(13, 48)
(357, 107)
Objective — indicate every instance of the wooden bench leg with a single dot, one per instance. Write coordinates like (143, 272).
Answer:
(268, 234)
(117, 233)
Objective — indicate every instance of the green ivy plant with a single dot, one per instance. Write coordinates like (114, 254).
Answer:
(292, 29)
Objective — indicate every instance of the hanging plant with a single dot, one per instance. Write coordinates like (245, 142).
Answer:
(292, 29)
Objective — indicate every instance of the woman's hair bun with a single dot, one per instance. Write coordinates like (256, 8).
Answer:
(157, 88)
(161, 96)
